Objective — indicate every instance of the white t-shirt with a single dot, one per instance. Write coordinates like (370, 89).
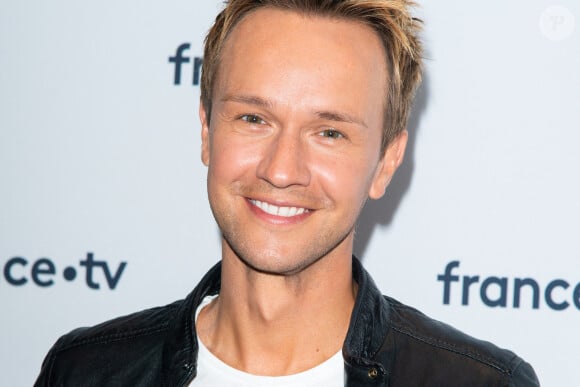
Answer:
(211, 371)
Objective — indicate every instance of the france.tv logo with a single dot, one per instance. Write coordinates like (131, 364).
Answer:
(43, 272)
(182, 60)
(558, 294)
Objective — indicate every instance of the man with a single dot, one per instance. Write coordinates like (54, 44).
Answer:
(303, 111)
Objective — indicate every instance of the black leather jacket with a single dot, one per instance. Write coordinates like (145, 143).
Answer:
(388, 344)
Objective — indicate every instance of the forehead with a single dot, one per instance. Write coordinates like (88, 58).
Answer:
(288, 56)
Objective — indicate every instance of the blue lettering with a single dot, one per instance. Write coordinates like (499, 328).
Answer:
(502, 283)
(447, 278)
(492, 298)
(518, 284)
(90, 263)
(467, 281)
(8, 271)
(113, 280)
(178, 59)
(43, 272)
(40, 267)
(550, 288)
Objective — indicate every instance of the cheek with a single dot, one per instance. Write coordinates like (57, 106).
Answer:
(345, 178)
(230, 158)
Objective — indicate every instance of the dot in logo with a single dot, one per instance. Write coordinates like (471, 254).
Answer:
(557, 23)
(69, 273)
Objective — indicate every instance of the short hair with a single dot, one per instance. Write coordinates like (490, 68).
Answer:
(391, 19)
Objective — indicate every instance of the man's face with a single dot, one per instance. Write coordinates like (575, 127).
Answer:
(293, 145)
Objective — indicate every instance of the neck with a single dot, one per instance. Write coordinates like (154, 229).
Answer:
(268, 324)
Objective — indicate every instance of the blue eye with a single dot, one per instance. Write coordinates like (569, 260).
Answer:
(252, 119)
(331, 133)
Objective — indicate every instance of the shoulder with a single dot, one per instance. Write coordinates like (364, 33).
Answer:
(107, 348)
(144, 323)
(415, 333)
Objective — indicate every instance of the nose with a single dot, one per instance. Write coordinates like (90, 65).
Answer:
(284, 161)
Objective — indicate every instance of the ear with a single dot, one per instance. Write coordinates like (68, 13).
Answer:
(388, 164)
(204, 135)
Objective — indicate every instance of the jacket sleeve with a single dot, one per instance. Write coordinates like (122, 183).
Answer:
(524, 376)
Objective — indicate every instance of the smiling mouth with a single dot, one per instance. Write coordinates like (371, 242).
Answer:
(282, 211)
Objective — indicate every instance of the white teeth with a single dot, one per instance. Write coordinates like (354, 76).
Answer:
(271, 209)
(284, 211)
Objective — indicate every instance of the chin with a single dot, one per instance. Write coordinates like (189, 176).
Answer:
(283, 262)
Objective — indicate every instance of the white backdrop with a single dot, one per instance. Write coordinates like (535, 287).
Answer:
(103, 209)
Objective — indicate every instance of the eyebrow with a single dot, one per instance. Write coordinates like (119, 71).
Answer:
(248, 99)
(323, 114)
(340, 117)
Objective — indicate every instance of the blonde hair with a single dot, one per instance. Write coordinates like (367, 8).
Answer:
(391, 19)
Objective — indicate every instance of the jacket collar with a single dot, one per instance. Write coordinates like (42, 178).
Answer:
(179, 365)
(364, 350)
